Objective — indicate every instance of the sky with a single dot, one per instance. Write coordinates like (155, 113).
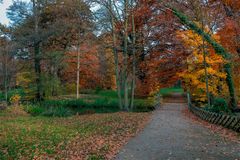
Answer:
(3, 9)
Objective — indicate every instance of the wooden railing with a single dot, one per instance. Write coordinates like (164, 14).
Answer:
(157, 101)
(227, 121)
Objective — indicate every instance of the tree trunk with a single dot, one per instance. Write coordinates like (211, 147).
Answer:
(134, 58)
(116, 58)
(205, 70)
(78, 70)
(230, 83)
(125, 55)
(37, 56)
(5, 77)
(38, 72)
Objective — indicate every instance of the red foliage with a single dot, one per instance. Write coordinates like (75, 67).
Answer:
(163, 55)
(89, 66)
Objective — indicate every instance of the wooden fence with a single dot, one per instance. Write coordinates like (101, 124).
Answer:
(227, 121)
(157, 101)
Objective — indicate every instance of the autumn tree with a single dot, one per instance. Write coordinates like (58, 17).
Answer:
(6, 61)
(107, 65)
(25, 18)
(119, 14)
(216, 46)
(229, 34)
(89, 70)
(193, 76)
(41, 28)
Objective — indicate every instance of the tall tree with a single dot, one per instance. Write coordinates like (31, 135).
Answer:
(6, 61)
(43, 28)
(219, 50)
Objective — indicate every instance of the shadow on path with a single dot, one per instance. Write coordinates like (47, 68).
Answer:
(171, 136)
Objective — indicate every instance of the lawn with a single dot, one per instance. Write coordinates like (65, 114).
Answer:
(168, 91)
(92, 136)
(91, 127)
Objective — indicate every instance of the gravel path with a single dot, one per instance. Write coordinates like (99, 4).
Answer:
(171, 136)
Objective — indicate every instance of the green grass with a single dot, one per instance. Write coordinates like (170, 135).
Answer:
(34, 136)
(26, 137)
(51, 124)
(29, 137)
(168, 91)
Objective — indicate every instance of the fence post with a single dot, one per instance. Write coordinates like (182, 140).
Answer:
(158, 99)
(189, 100)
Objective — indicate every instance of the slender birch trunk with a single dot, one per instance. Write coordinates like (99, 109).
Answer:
(134, 58)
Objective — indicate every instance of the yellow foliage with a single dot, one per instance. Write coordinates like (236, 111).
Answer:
(194, 76)
(26, 80)
(15, 99)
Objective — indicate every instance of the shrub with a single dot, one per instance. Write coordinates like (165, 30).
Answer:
(144, 105)
(70, 88)
(15, 99)
(11, 93)
(98, 89)
(87, 91)
(34, 110)
(101, 104)
(108, 93)
(219, 106)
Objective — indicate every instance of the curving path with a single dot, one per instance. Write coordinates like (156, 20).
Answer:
(171, 136)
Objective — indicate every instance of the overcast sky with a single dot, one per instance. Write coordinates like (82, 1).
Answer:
(3, 8)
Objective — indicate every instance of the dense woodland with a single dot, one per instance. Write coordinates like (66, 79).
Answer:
(61, 58)
(62, 47)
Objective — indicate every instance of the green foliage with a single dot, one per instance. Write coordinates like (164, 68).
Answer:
(219, 106)
(70, 88)
(68, 107)
(98, 89)
(11, 93)
(34, 110)
(168, 91)
(193, 26)
(97, 105)
(144, 105)
(108, 93)
(26, 80)
(87, 91)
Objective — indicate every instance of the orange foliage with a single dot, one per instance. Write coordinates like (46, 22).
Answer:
(89, 66)
(194, 76)
(162, 56)
(229, 38)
